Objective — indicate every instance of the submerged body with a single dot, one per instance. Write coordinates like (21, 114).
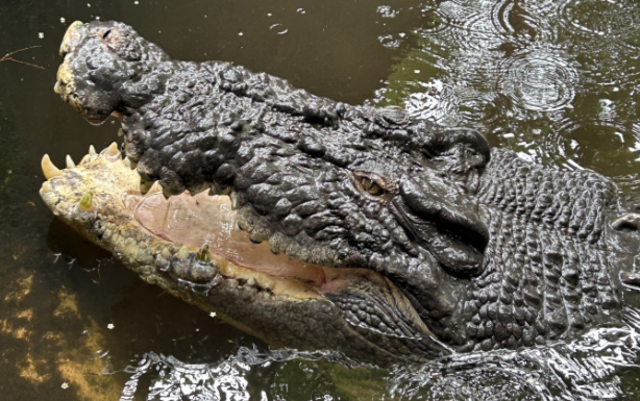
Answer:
(396, 239)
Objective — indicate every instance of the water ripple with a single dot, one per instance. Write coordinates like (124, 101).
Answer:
(587, 368)
(613, 20)
(538, 79)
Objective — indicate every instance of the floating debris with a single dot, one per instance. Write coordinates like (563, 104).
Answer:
(41, 35)
(62, 20)
(110, 326)
(212, 314)
(64, 386)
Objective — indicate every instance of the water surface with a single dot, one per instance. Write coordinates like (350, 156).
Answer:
(557, 81)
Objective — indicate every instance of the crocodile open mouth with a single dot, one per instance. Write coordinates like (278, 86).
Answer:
(201, 223)
(192, 247)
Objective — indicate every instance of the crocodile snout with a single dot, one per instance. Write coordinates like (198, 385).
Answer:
(71, 38)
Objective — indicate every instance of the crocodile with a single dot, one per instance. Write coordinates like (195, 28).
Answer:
(315, 224)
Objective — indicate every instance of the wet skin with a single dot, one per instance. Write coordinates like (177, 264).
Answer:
(434, 242)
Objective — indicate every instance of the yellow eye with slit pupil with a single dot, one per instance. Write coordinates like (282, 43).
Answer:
(371, 186)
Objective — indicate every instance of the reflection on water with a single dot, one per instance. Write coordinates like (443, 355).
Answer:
(589, 369)
(558, 81)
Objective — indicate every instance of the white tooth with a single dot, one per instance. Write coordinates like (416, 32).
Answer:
(112, 153)
(112, 149)
(92, 150)
(70, 163)
(156, 187)
(48, 168)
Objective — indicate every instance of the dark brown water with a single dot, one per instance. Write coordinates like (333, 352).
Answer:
(556, 80)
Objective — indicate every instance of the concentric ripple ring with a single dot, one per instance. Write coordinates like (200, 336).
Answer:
(538, 80)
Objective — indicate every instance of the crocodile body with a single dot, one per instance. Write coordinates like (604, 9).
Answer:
(446, 245)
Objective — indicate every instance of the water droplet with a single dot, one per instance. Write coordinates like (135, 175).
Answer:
(269, 14)
(416, 71)
(62, 20)
(136, 2)
(110, 326)
(301, 11)
(402, 34)
(89, 5)
(41, 35)
(240, 33)
(64, 386)
(97, 18)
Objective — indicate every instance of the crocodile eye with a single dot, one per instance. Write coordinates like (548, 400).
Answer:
(104, 36)
(371, 187)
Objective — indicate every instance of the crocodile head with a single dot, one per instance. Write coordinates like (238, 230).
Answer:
(485, 248)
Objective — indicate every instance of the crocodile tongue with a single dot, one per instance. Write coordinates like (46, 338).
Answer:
(204, 219)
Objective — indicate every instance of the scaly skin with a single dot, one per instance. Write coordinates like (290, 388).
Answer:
(490, 251)
(95, 199)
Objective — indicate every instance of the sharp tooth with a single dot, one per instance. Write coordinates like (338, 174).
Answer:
(70, 163)
(156, 187)
(92, 150)
(48, 168)
(112, 153)
(112, 150)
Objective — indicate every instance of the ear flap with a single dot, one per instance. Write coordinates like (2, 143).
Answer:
(444, 222)
(445, 140)
(459, 153)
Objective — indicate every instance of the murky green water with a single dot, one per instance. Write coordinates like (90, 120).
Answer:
(556, 80)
